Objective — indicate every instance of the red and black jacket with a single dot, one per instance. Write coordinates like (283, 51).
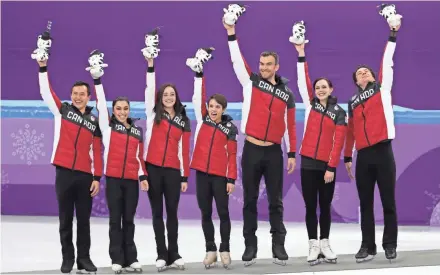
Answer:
(267, 108)
(370, 110)
(77, 136)
(123, 147)
(215, 150)
(324, 127)
(167, 143)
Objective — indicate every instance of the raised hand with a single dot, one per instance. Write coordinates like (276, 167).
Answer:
(231, 15)
(96, 64)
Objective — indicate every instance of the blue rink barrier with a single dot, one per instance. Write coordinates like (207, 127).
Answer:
(38, 109)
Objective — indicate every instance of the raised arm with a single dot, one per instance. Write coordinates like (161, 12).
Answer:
(46, 91)
(304, 83)
(199, 97)
(231, 148)
(150, 89)
(184, 144)
(241, 68)
(101, 105)
(385, 76)
(290, 133)
(338, 140)
(97, 155)
(349, 140)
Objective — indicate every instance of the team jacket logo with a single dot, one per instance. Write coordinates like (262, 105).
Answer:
(78, 119)
(226, 130)
(269, 88)
(362, 97)
(133, 131)
(321, 109)
(177, 120)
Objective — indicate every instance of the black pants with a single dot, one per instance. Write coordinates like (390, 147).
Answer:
(122, 200)
(376, 163)
(266, 161)
(165, 182)
(209, 187)
(313, 184)
(73, 193)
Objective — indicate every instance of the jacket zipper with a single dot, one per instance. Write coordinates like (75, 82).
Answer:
(365, 124)
(166, 142)
(76, 141)
(125, 157)
(268, 121)
(319, 136)
(210, 149)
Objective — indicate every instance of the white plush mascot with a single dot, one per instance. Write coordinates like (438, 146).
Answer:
(388, 11)
(96, 64)
(298, 33)
(44, 42)
(201, 57)
(152, 45)
(232, 13)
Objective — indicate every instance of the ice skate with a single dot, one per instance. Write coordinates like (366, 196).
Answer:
(135, 267)
(329, 255)
(117, 269)
(161, 265)
(86, 266)
(249, 255)
(226, 259)
(364, 254)
(67, 265)
(279, 254)
(179, 264)
(390, 253)
(210, 259)
(314, 252)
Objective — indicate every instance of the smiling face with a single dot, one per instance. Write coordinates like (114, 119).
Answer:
(215, 110)
(169, 97)
(323, 89)
(80, 97)
(363, 76)
(121, 110)
(268, 65)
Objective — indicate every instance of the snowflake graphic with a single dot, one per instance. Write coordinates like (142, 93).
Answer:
(336, 193)
(435, 207)
(5, 180)
(99, 208)
(28, 144)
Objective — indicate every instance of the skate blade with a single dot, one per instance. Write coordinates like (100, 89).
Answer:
(367, 259)
(161, 269)
(249, 263)
(279, 262)
(133, 270)
(315, 262)
(179, 267)
(331, 261)
(209, 266)
(83, 271)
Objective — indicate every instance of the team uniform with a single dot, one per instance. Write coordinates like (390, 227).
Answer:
(266, 111)
(77, 157)
(215, 162)
(167, 162)
(321, 147)
(371, 128)
(123, 168)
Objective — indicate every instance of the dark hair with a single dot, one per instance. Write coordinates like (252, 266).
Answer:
(359, 67)
(158, 107)
(121, 98)
(329, 83)
(270, 53)
(221, 99)
(116, 100)
(81, 83)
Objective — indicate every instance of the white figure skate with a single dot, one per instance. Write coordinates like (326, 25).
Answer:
(314, 251)
(117, 269)
(329, 255)
(135, 267)
(161, 265)
(179, 264)
(226, 259)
